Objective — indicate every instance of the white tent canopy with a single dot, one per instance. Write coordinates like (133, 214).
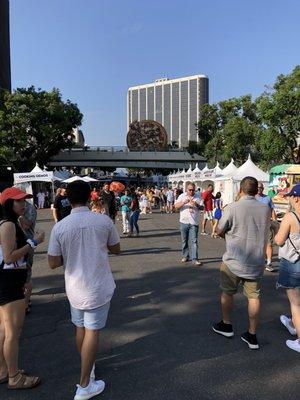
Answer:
(217, 170)
(36, 175)
(79, 178)
(230, 169)
(250, 169)
(229, 185)
(225, 181)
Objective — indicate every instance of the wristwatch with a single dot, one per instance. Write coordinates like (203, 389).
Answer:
(32, 243)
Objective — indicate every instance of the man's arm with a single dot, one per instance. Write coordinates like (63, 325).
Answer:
(115, 249)
(225, 223)
(55, 261)
(54, 213)
(181, 202)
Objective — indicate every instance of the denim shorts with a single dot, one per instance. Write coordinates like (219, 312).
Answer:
(90, 319)
(289, 274)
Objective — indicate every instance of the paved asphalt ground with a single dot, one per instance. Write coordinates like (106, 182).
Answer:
(158, 343)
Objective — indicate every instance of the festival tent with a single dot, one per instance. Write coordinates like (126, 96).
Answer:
(217, 170)
(229, 185)
(196, 176)
(250, 169)
(230, 169)
(24, 179)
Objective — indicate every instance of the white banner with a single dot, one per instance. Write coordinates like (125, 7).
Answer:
(44, 176)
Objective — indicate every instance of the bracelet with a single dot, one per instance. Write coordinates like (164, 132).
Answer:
(32, 243)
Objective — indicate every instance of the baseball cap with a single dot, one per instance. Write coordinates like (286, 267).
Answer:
(295, 191)
(13, 193)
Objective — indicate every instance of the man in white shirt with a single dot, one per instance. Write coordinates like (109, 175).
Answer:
(189, 205)
(80, 242)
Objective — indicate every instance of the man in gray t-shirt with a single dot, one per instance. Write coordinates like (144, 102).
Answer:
(245, 225)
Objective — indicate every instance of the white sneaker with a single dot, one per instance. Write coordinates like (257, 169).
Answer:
(93, 389)
(286, 321)
(92, 375)
(293, 344)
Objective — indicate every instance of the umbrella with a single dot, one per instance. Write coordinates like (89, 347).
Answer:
(117, 187)
(72, 179)
(89, 179)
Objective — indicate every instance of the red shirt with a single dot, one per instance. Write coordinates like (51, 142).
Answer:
(207, 198)
(94, 195)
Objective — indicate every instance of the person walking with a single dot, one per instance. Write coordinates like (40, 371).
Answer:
(41, 199)
(144, 202)
(217, 213)
(245, 224)
(81, 244)
(27, 223)
(14, 249)
(170, 201)
(61, 206)
(108, 200)
(134, 215)
(189, 206)
(125, 202)
(207, 197)
(288, 238)
(263, 198)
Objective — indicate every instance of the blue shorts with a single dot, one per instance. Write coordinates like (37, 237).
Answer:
(289, 274)
(90, 319)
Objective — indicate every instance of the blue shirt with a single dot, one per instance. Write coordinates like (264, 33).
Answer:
(265, 200)
(125, 203)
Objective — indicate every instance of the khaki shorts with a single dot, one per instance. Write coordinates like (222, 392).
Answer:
(229, 283)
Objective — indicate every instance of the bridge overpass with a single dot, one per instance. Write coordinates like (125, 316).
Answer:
(121, 157)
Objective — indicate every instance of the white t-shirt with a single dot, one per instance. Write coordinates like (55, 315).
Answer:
(81, 239)
(188, 214)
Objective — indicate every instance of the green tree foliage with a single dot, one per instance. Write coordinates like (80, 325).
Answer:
(279, 111)
(267, 128)
(34, 126)
(228, 129)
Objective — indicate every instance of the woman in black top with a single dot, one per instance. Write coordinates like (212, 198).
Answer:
(14, 248)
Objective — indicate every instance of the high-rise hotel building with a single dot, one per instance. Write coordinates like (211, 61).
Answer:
(175, 103)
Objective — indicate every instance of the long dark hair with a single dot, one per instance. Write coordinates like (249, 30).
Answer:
(7, 214)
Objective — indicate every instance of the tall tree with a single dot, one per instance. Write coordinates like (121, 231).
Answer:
(228, 129)
(279, 111)
(34, 126)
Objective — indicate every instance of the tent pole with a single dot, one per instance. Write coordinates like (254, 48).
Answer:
(52, 191)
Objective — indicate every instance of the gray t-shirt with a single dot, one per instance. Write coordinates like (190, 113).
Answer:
(246, 224)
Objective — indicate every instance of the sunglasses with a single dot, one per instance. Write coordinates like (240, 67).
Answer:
(191, 190)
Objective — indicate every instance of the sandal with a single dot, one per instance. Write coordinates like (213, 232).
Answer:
(5, 379)
(24, 382)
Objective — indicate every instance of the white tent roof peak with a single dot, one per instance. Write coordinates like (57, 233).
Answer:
(230, 169)
(190, 169)
(250, 169)
(205, 168)
(183, 171)
(36, 168)
(218, 170)
(197, 169)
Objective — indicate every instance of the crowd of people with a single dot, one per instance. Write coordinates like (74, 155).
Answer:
(82, 241)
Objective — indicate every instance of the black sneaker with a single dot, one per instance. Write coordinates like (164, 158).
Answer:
(223, 329)
(251, 340)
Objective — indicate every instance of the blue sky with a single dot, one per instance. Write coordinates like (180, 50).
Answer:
(93, 50)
